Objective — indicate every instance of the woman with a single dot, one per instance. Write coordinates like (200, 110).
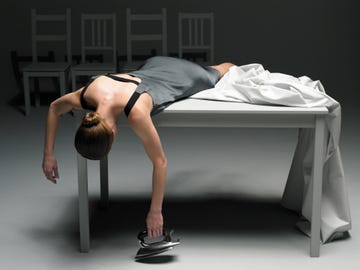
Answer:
(140, 94)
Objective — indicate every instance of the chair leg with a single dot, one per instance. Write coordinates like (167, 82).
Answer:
(62, 80)
(73, 83)
(37, 92)
(317, 186)
(83, 204)
(26, 81)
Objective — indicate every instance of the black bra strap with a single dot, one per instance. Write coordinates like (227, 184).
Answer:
(83, 102)
(134, 96)
(128, 106)
(131, 103)
(120, 79)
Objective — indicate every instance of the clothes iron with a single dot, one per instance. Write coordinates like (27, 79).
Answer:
(149, 247)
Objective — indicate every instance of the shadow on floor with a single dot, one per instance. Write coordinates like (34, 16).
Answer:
(199, 216)
(216, 215)
(159, 259)
(116, 226)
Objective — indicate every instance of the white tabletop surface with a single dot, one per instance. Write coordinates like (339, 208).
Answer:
(209, 106)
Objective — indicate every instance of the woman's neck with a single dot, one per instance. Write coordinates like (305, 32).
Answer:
(109, 116)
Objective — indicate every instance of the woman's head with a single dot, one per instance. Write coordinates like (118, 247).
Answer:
(94, 137)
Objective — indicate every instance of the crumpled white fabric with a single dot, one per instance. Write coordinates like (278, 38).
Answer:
(253, 84)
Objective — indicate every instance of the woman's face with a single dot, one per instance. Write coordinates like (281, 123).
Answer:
(112, 126)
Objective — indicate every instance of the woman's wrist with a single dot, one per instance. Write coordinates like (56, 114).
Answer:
(48, 153)
(155, 210)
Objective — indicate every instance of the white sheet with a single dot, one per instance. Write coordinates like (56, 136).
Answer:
(253, 84)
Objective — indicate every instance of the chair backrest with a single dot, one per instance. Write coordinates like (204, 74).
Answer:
(37, 37)
(98, 33)
(146, 18)
(196, 32)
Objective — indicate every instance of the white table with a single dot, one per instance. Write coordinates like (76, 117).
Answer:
(205, 113)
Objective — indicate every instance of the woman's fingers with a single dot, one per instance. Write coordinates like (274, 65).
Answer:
(159, 232)
(51, 174)
(154, 224)
(155, 232)
(53, 177)
(150, 234)
(56, 172)
(50, 168)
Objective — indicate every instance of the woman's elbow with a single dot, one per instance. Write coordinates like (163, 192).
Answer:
(54, 108)
(161, 162)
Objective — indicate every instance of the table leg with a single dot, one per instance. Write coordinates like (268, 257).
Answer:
(104, 182)
(83, 204)
(317, 186)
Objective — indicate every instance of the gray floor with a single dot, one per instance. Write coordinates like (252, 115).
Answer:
(223, 193)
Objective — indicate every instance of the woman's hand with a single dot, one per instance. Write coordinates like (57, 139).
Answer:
(50, 167)
(154, 223)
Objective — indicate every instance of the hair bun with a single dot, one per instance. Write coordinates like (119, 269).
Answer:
(91, 119)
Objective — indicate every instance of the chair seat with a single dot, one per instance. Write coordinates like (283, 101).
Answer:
(94, 67)
(46, 67)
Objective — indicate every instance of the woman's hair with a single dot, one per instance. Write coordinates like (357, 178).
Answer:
(94, 137)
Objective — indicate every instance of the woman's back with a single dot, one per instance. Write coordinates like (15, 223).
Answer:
(168, 79)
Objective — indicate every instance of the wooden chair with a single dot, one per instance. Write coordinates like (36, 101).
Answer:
(196, 36)
(19, 61)
(47, 69)
(131, 37)
(98, 34)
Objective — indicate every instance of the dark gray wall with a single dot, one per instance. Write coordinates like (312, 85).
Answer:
(318, 38)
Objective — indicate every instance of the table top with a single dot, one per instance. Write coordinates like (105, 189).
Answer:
(209, 106)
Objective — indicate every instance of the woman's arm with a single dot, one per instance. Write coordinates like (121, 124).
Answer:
(144, 128)
(58, 107)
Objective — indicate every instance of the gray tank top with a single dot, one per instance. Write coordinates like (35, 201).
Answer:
(168, 79)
